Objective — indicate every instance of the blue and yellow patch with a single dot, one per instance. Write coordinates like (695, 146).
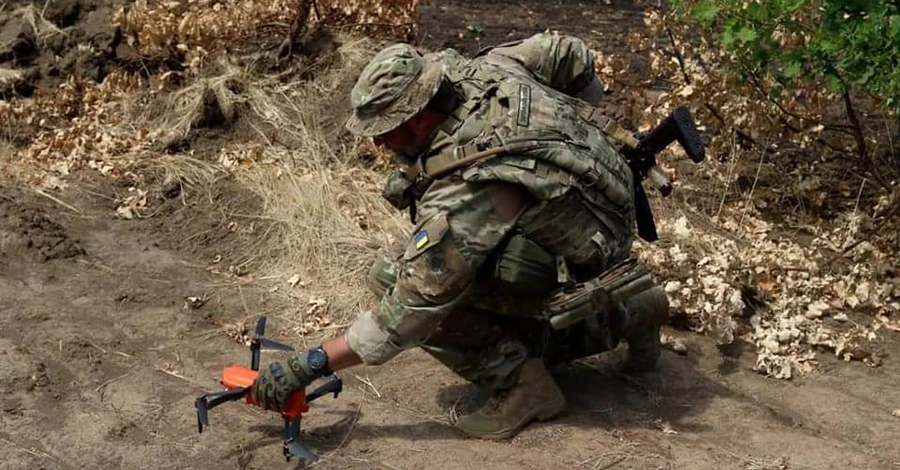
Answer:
(421, 239)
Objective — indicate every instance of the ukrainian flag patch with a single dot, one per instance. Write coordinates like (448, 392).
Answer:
(421, 239)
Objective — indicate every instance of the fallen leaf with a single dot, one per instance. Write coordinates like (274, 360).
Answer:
(686, 91)
(667, 429)
(674, 344)
(193, 303)
(316, 305)
(766, 283)
(125, 212)
(680, 228)
(816, 309)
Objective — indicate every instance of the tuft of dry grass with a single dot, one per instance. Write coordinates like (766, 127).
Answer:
(43, 29)
(9, 75)
(329, 226)
(327, 218)
(180, 112)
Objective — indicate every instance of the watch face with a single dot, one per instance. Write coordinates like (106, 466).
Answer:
(317, 359)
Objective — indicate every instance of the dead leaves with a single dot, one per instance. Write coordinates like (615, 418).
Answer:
(131, 207)
(199, 27)
(665, 427)
(77, 126)
(193, 302)
(315, 317)
(796, 304)
(673, 344)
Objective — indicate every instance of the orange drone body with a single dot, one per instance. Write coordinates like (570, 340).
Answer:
(243, 377)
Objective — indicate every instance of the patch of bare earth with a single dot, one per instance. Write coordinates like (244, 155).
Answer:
(103, 356)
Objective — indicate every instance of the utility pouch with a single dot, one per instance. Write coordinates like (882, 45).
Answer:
(525, 266)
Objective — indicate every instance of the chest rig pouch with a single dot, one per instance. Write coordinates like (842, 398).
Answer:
(522, 265)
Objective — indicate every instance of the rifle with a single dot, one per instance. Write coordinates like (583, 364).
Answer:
(678, 126)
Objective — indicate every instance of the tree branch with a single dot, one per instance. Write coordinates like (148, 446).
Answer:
(861, 147)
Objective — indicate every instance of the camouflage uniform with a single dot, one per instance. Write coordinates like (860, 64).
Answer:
(560, 188)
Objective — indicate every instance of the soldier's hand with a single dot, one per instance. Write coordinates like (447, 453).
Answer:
(277, 380)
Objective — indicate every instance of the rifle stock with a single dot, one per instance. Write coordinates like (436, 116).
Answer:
(678, 126)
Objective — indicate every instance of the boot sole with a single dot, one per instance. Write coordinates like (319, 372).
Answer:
(510, 432)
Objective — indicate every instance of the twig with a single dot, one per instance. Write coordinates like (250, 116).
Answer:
(611, 464)
(97, 265)
(678, 56)
(350, 430)
(731, 166)
(369, 383)
(773, 268)
(104, 384)
(174, 374)
(96, 346)
(58, 201)
(34, 453)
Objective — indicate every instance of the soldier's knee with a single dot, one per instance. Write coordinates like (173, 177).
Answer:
(650, 307)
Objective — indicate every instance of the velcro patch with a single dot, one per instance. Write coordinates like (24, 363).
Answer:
(523, 113)
(421, 239)
(428, 234)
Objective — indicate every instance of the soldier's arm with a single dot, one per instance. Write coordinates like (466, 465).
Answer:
(562, 62)
(461, 224)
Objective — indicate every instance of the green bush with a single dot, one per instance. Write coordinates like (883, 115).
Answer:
(847, 44)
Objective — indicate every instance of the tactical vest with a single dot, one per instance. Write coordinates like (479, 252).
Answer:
(543, 143)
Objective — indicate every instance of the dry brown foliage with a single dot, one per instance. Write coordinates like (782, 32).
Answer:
(197, 27)
(81, 125)
(730, 256)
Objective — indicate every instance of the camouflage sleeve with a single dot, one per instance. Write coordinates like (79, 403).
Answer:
(461, 224)
(562, 62)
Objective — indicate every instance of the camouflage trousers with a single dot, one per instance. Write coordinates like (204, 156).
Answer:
(486, 340)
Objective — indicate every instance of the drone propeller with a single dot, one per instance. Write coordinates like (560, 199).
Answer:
(260, 327)
(258, 343)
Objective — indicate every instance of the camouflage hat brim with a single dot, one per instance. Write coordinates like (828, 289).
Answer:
(408, 104)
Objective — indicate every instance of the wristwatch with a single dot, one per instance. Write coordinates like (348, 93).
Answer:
(317, 361)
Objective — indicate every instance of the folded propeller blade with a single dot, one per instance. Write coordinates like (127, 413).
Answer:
(274, 345)
(260, 327)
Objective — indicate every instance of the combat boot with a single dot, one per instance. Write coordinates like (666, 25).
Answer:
(534, 396)
(649, 311)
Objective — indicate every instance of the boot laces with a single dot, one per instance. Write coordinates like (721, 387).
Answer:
(496, 400)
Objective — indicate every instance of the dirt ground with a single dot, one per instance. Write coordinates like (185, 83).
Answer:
(101, 359)
(101, 362)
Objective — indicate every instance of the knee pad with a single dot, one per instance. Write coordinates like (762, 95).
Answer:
(649, 308)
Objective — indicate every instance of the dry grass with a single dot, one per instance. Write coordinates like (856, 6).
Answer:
(318, 238)
(9, 75)
(326, 214)
(178, 113)
(43, 29)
